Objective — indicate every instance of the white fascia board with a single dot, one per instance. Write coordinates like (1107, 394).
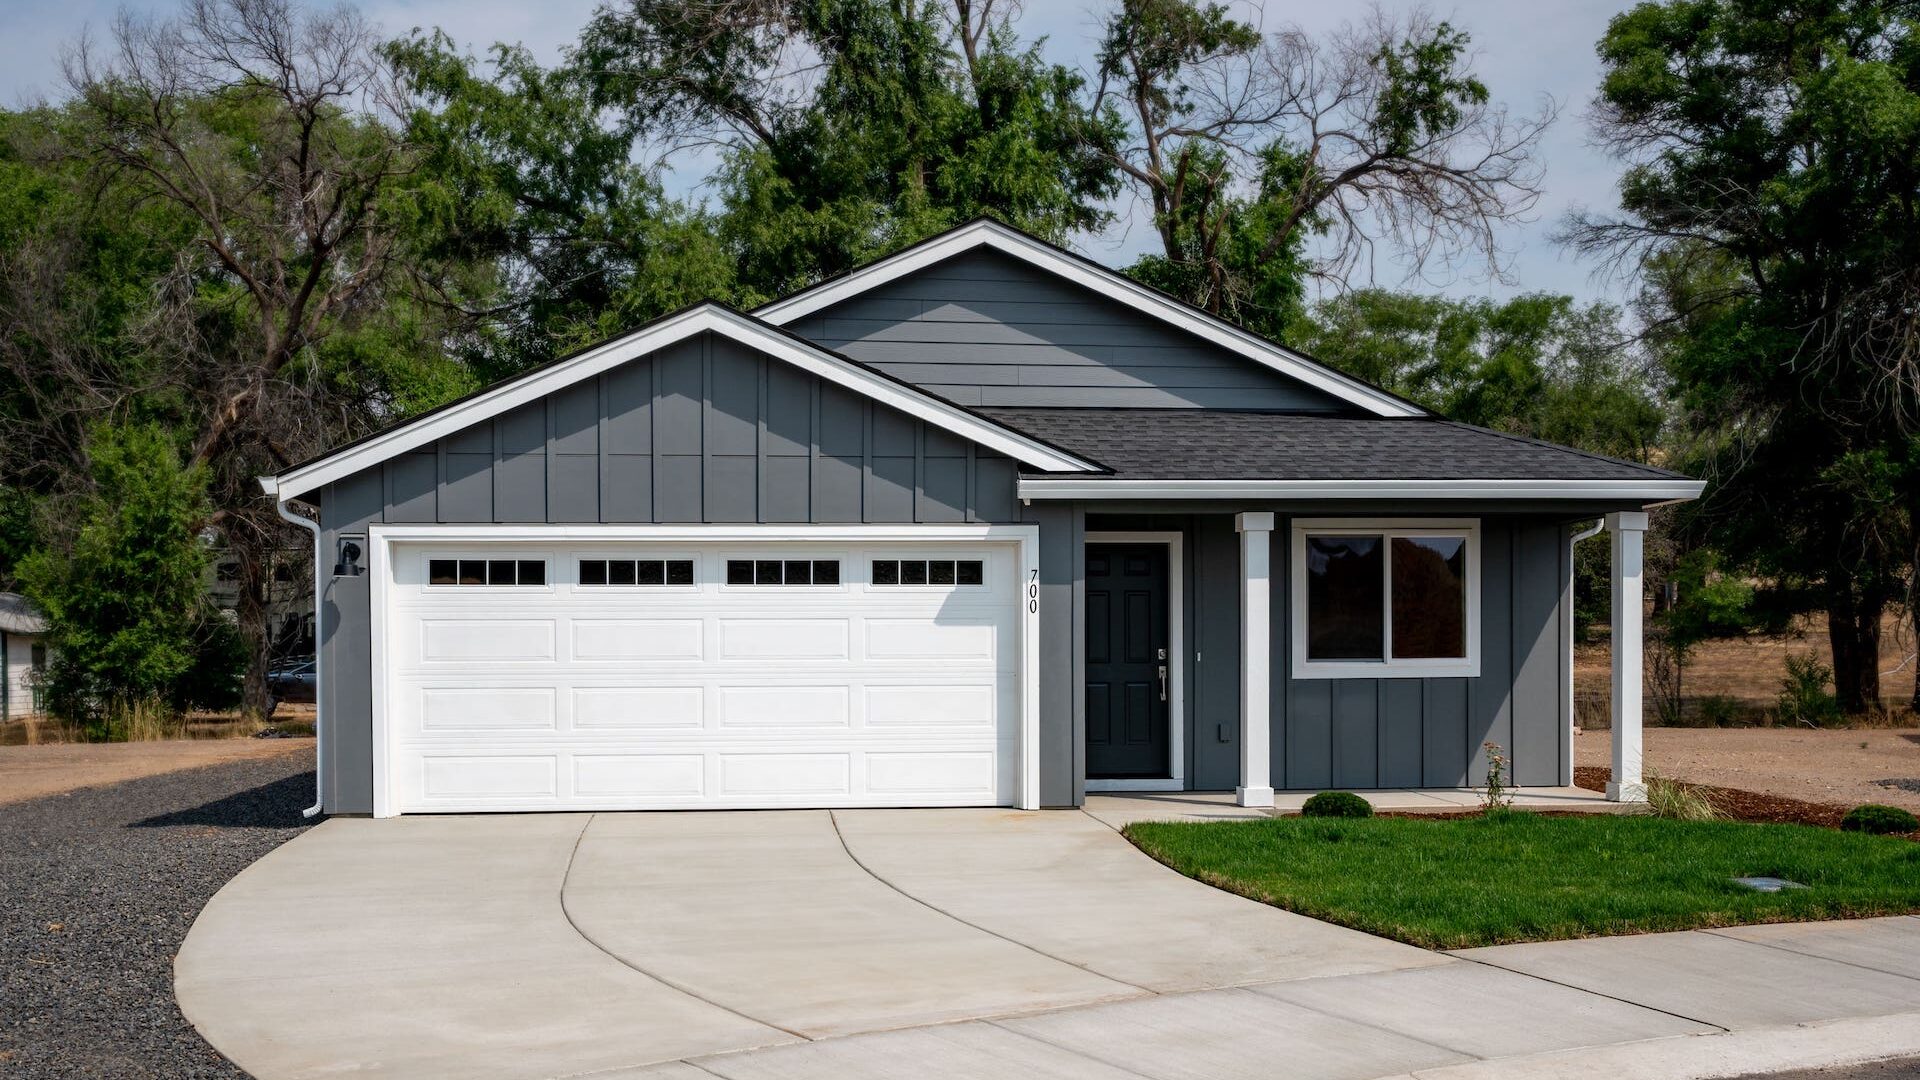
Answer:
(1101, 280)
(1649, 490)
(719, 320)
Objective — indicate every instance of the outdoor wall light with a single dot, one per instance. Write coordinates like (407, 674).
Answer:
(347, 564)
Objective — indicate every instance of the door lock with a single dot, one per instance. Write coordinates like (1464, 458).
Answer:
(1163, 673)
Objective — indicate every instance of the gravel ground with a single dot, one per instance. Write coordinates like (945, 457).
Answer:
(1847, 767)
(97, 889)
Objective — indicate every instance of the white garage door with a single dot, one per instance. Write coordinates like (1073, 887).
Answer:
(576, 676)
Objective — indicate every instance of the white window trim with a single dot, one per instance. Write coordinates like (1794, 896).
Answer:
(1388, 529)
(1176, 778)
(1025, 540)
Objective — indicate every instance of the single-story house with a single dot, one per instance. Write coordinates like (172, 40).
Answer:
(23, 654)
(981, 523)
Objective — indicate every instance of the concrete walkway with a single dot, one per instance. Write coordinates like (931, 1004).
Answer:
(947, 944)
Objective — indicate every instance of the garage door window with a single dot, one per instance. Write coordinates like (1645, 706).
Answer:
(636, 572)
(486, 572)
(783, 572)
(928, 572)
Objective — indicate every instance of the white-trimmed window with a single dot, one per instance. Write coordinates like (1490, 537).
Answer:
(1385, 598)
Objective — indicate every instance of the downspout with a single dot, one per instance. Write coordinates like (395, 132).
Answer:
(272, 487)
(1572, 721)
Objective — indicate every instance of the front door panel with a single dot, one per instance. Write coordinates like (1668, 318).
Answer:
(1127, 735)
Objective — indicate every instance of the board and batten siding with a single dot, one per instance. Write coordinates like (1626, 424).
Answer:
(1387, 733)
(984, 328)
(705, 430)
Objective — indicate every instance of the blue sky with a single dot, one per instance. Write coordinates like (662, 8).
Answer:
(1525, 49)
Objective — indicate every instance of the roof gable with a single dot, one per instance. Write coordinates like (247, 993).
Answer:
(429, 428)
(1106, 283)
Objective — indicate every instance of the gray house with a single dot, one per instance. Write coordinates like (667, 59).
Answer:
(983, 523)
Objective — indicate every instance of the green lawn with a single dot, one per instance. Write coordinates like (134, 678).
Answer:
(1460, 882)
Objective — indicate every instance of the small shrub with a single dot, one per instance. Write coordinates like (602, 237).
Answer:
(1879, 819)
(1498, 793)
(1804, 698)
(1336, 804)
(1676, 801)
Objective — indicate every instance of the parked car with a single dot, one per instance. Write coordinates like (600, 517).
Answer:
(291, 682)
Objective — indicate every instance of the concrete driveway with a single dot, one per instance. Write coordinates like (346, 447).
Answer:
(936, 943)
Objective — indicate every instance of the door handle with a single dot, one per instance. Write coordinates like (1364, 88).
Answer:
(1163, 682)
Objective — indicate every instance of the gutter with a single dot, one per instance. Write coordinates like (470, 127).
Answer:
(271, 486)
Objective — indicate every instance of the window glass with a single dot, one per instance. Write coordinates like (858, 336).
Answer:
(799, 572)
(650, 572)
(780, 571)
(886, 571)
(1429, 597)
(969, 572)
(443, 572)
(593, 571)
(913, 572)
(533, 572)
(940, 572)
(620, 572)
(826, 571)
(766, 572)
(1346, 585)
(739, 571)
(473, 572)
(680, 572)
(500, 572)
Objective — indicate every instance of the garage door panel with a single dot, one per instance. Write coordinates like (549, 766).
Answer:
(704, 695)
(621, 708)
(456, 640)
(784, 639)
(647, 640)
(492, 709)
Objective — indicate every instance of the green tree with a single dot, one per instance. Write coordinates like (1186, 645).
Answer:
(1269, 159)
(1772, 194)
(124, 589)
(915, 117)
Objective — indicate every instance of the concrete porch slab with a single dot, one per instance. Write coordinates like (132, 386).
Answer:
(1064, 885)
(1712, 978)
(1119, 809)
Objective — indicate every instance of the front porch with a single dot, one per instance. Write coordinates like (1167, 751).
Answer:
(1119, 809)
(1213, 654)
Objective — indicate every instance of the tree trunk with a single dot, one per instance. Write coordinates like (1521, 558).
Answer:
(1853, 630)
(255, 575)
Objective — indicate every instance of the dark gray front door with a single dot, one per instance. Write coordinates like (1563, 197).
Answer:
(1127, 661)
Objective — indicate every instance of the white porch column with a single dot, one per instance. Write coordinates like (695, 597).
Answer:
(1628, 529)
(1256, 683)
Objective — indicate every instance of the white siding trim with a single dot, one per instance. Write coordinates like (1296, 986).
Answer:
(1107, 283)
(1177, 659)
(703, 319)
(1649, 491)
(1024, 538)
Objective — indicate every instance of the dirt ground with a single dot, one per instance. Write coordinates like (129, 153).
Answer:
(1841, 767)
(1748, 670)
(28, 772)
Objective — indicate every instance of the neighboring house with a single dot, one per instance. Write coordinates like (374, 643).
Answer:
(23, 654)
(983, 523)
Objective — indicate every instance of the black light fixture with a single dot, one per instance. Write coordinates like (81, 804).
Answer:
(348, 563)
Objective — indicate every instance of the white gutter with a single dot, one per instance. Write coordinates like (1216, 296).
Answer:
(272, 487)
(1647, 491)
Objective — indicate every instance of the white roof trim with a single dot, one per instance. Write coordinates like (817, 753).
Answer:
(1100, 279)
(707, 317)
(1650, 489)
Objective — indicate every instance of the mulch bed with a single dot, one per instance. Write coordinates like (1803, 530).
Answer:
(1741, 805)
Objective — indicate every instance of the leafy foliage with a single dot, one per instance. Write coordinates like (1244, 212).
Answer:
(1878, 819)
(1336, 804)
(124, 594)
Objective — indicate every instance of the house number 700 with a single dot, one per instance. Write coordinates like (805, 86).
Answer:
(1033, 590)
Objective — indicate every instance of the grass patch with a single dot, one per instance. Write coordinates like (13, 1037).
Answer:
(1460, 882)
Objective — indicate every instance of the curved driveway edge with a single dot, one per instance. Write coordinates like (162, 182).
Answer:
(416, 947)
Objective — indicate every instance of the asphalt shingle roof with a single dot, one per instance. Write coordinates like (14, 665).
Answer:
(1196, 444)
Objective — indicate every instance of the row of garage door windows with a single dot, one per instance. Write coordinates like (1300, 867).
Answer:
(680, 572)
